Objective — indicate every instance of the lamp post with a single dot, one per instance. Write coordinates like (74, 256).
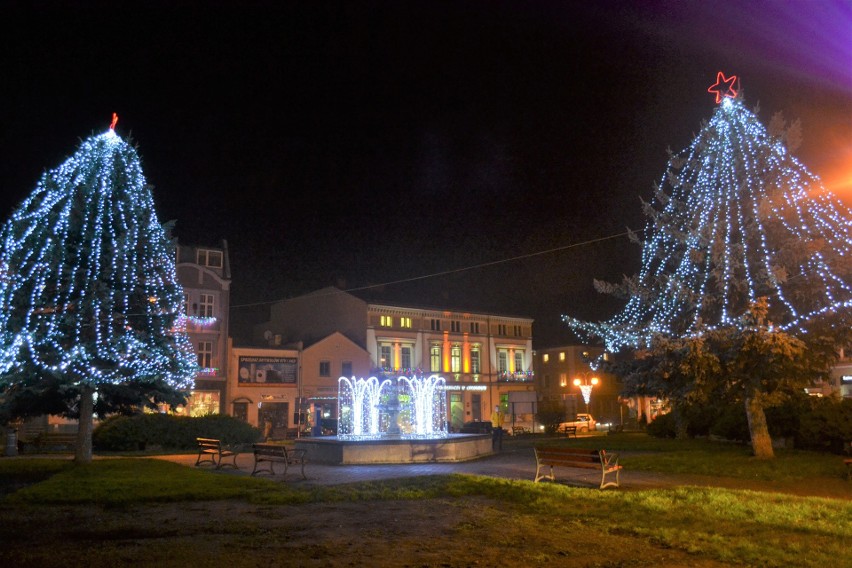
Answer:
(586, 382)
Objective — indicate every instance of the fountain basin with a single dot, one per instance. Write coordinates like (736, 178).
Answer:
(453, 448)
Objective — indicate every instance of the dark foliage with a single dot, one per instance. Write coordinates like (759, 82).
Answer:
(131, 433)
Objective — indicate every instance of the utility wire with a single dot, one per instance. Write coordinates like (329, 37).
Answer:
(457, 270)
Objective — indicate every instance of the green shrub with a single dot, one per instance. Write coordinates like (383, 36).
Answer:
(131, 433)
(732, 424)
(663, 426)
(826, 424)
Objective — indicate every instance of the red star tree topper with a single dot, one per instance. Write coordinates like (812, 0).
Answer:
(724, 87)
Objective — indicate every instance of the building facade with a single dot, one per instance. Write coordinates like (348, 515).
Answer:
(482, 357)
(205, 275)
(560, 369)
(263, 387)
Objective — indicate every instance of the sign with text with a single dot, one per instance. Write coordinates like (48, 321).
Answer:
(268, 370)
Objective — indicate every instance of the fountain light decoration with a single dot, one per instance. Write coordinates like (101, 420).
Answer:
(368, 408)
(728, 224)
(358, 406)
(427, 407)
(90, 292)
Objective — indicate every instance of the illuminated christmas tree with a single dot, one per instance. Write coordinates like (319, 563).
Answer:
(89, 301)
(735, 218)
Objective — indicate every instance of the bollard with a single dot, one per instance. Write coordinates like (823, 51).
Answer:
(12, 442)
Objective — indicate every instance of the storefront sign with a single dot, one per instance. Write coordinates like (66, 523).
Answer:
(268, 370)
(466, 387)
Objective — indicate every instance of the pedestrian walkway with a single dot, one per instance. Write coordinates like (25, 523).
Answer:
(509, 464)
(516, 463)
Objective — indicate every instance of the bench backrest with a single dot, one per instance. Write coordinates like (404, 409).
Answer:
(209, 443)
(270, 449)
(566, 455)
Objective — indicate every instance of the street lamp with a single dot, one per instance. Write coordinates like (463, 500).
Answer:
(586, 383)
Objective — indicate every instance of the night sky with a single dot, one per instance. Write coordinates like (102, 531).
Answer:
(365, 143)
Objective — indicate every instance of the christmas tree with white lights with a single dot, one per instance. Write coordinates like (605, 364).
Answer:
(735, 218)
(90, 306)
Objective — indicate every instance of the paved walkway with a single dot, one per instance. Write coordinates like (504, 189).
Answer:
(519, 463)
(510, 464)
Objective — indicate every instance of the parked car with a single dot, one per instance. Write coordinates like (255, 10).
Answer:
(476, 427)
(583, 423)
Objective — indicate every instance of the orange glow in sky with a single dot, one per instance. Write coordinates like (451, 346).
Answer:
(838, 180)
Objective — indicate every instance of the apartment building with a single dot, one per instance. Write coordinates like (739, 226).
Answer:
(569, 375)
(205, 275)
(483, 357)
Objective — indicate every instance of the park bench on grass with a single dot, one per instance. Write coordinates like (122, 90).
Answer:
(210, 450)
(55, 442)
(271, 453)
(569, 431)
(606, 462)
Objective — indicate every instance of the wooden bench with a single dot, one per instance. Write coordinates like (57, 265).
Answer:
(271, 453)
(55, 442)
(569, 431)
(605, 461)
(518, 430)
(211, 451)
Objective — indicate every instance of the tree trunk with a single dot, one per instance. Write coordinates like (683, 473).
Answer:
(681, 432)
(761, 442)
(83, 451)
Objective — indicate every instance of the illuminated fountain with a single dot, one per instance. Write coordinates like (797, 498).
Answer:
(382, 421)
(370, 409)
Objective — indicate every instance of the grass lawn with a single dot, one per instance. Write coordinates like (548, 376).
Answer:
(156, 513)
(704, 457)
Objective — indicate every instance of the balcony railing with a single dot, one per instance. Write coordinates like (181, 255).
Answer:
(515, 377)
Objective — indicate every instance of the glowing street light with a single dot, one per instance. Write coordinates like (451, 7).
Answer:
(586, 384)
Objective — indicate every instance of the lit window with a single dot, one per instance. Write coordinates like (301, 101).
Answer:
(202, 403)
(502, 362)
(455, 359)
(205, 305)
(435, 358)
(546, 357)
(325, 369)
(385, 362)
(563, 379)
(205, 354)
(387, 321)
(561, 355)
(519, 361)
(474, 361)
(405, 322)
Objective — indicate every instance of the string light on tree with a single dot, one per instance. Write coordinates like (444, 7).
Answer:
(735, 217)
(89, 294)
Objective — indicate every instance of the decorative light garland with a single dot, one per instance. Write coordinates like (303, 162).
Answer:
(723, 217)
(89, 289)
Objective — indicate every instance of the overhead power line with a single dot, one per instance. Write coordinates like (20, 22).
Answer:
(457, 270)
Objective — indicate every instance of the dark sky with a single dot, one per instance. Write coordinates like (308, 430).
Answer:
(361, 143)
